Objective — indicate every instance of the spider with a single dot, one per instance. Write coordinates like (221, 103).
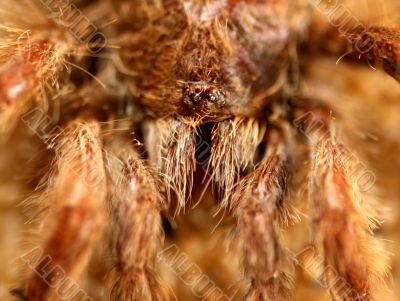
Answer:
(124, 93)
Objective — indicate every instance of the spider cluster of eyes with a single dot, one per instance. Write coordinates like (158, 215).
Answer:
(201, 94)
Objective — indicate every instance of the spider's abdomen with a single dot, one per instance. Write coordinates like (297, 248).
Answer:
(205, 58)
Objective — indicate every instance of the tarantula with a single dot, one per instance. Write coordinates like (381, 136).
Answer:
(126, 93)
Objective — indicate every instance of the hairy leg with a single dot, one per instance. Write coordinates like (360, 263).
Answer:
(258, 207)
(136, 232)
(19, 78)
(234, 146)
(75, 201)
(171, 144)
(343, 221)
(380, 45)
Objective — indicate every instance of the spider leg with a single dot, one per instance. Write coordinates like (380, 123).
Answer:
(258, 207)
(18, 81)
(75, 200)
(171, 145)
(380, 45)
(235, 143)
(136, 204)
(39, 53)
(377, 44)
(343, 221)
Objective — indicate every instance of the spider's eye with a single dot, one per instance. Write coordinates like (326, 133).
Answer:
(204, 96)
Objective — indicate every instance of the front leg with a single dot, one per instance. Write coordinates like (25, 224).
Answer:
(76, 200)
(136, 228)
(352, 262)
(380, 45)
(258, 206)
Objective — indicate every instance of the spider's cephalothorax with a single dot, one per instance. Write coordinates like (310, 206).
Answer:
(181, 74)
(234, 49)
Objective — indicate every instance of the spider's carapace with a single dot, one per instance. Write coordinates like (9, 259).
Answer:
(203, 57)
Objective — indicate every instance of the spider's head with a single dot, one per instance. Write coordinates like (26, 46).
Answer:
(207, 57)
(203, 96)
(228, 54)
